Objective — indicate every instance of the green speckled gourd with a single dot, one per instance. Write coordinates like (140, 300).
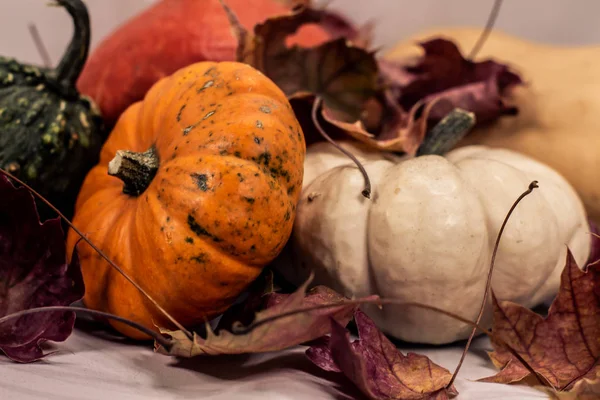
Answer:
(50, 135)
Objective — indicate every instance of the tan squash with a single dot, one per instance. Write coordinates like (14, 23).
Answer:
(559, 119)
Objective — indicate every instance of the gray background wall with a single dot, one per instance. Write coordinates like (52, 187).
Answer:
(554, 21)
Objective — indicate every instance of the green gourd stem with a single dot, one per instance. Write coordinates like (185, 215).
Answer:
(70, 66)
(447, 133)
(136, 170)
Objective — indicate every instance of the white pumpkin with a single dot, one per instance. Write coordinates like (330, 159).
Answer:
(428, 231)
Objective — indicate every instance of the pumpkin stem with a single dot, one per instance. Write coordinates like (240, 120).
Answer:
(136, 170)
(72, 62)
(447, 133)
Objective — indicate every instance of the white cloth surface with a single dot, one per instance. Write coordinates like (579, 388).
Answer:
(88, 367)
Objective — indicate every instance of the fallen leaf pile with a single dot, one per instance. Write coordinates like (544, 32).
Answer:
(388, 106)
(33, 273)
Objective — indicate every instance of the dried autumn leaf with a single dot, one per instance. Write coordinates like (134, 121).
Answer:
(418, 96)
(377, 367)
(274, 335)
(479, 87)
(400, 131)
(585, 389)
(343, 74)
(564, 347)
(33, 273)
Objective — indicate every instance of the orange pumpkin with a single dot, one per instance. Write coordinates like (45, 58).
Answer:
(195, 192)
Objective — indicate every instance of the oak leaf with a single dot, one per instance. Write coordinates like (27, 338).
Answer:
(377, 367)
(563, 348)
(33, 273)
(277, 333)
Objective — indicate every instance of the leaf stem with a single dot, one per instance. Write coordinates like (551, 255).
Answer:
(377, 301)
(39, 45)
(384, 301)
(487, 30)
(488, 283)
(156, 336)
(316, 105)
(101, 253)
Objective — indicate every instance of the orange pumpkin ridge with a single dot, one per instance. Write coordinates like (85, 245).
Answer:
(205, 174)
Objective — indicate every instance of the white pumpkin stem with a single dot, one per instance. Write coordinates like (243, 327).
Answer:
(447, 133)
(136, 170)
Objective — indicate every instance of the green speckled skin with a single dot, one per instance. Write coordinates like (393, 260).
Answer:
(49, 138)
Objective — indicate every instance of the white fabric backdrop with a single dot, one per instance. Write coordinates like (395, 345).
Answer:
(556, 21)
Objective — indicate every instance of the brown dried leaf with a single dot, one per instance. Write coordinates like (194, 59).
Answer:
(343, 74)
(377, 367)
(401, 132)
(416, 97)
(564, 347)
(274, 335)
(585, 389)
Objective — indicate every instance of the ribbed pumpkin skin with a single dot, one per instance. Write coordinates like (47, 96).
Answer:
(220, 207)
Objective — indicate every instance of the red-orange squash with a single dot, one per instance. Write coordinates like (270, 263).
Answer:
(195, 192)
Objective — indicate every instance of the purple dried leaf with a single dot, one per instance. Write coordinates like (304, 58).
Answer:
(416, 97)
(377, 367)
(33, 273)
(479, 87)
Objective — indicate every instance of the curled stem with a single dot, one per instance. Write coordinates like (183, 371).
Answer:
(101, 253)
(488, 283)
(156, 336)
(316, 105)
